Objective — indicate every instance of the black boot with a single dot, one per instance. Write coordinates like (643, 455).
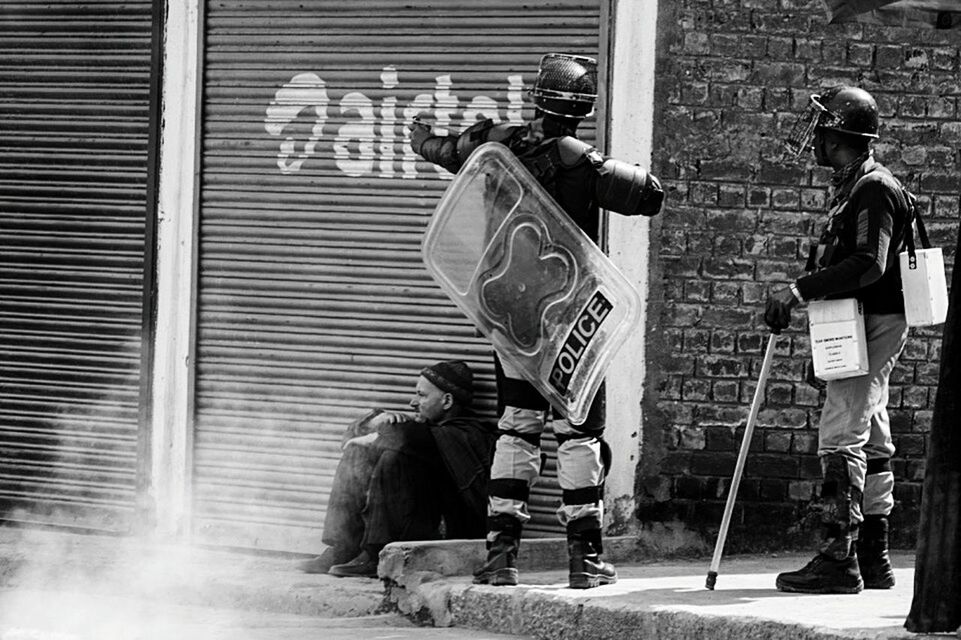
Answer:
(833, 570)
(823, 574)
(503, 540)
(587, 570)
(873, 556)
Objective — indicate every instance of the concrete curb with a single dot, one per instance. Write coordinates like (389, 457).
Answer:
(650, 601)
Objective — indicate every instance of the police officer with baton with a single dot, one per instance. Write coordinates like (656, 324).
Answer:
(856, 257)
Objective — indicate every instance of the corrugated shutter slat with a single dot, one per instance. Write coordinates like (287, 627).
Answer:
(314, 304)
(74, 126)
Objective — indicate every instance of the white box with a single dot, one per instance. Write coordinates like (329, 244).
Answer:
(925, 288)
(839, 346)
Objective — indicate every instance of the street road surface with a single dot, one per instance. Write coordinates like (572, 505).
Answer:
(53, 615)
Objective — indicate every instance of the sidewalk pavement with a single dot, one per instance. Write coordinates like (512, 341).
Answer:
(429, 582)
(656, 600)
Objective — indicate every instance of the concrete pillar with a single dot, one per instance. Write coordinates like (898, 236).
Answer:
(175, 254)
(631, 131)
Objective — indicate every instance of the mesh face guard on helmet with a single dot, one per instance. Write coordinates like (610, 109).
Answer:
(853, 113)
(566, 85)
(802, 133)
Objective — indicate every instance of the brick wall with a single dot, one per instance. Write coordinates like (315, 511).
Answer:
(732, 74)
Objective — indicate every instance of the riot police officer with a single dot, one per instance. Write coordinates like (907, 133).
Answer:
(856, 257)
(582, 181)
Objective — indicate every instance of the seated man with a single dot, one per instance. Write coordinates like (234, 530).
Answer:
(402, 473)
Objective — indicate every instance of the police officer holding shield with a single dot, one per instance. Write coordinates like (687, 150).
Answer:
(582, 181)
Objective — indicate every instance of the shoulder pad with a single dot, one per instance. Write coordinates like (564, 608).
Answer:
(571, 151)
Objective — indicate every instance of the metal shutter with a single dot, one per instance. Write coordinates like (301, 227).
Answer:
(313, 301)
(74, 122)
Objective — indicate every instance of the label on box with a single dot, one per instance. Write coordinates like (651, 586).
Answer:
(839, 344)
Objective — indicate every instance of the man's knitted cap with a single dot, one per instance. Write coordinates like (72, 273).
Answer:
(453, 377)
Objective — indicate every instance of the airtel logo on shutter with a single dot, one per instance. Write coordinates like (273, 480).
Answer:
(374, 140)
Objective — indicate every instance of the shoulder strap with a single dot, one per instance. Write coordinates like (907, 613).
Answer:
(914, 219)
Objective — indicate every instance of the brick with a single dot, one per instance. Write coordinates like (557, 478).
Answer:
(901, 421)
(780, 48)
(696, 389)
(703, 193)
(944, 59)
(942, 107)
(697, 44)
(726, 292)
(913, 106)
(916, 58)
(720, 439)
(731, 196)
(731, 222)
(750, 343)
(697, 291)
(910, 445)
(739, 171)
(777, 99)
(725, 391)
(785, 198)
(750, 98)
(773, 490)
(889, 56)
(801, 490)
(779, 393)
(712, 464)
(719, 366)
(670, 389)
(947, 207)
(690, 437)
(915, 156)
(804, 443)
(722, 342)
(697, 340)
(922, 421)
(729, 318)
(721, 415)
(860, 54)
(693, 93)
(678, 364)
(676, 462)
(805, 49)
(806, 396)
(809, 467)
(784, 418)
(689, 488)
(772, 466)
(728, 268)
(726, 45)
(681, 266)
(777, 442)
(915, 397)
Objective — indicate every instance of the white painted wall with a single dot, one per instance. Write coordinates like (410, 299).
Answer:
(631, 132)
(173, 370)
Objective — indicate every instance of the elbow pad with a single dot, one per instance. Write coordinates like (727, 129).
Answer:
(628, 189)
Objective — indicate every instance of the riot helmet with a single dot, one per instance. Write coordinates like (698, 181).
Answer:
(847, 110)
(566, 85)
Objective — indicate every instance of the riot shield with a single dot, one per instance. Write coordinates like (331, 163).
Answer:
(542, 292)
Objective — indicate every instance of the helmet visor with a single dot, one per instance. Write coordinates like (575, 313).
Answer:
(802, 133)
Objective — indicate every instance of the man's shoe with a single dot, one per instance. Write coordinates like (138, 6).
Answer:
(587, 570)
(872, 549)
(501, 566)
(360, 567)
(323, 562)
(503, 542)
(823, 574)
